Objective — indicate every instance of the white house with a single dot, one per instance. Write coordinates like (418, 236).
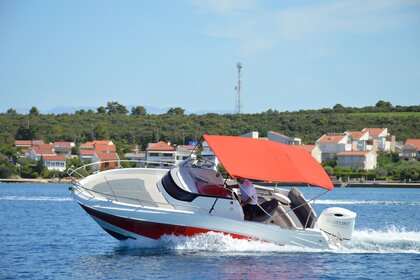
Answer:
(281, 138)
(359, 159)
(108, 160)
(36, 153)
(183, 152)
(410, 150)
(380, 139)
(63, 148)
(359, 140)
(252, 134)
(54, 162)
(157, 154)
(314, 151)
(208, 154)
(136, 155)
(333, 143)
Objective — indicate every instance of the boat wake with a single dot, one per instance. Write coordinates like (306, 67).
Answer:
(392, 240)
(35, 198)
(368, 202)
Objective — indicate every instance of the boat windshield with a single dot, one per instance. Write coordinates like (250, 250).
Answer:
(201, 176)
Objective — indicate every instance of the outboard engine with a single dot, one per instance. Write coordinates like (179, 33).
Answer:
(338, 222)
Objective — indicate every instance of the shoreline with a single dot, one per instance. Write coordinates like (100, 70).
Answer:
(36, 181)
(377, 185)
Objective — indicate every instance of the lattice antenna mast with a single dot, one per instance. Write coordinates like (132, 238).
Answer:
(238, 89)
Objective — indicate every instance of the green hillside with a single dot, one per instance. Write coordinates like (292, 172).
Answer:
(114, 122)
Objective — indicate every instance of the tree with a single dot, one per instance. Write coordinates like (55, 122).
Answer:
(101, 110)
(116, 108)
(383, 104)
(11, 111)
(329, 170)
(24, 133)
(34, 111)
(338, 107)
(175, 111)
(138, 111)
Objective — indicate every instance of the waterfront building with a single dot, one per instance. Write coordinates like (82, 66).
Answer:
(28, 143)
(314, 151)
(39, 151)
(357, 159)
(63, 148)
(136, 155)
(281, 138)
(332, 143)
(105, 160)
(380, 140)
(410, 150)
(163, 154)
(89, 149)
(157, 154)
(359, 140)
(57, 162)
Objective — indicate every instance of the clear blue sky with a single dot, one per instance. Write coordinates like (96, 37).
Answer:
(167, 53)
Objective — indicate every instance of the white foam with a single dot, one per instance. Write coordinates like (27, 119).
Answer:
(392, 240)
(35, 198)
(371, 202)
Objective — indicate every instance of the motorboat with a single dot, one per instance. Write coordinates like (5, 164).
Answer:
(193, 197)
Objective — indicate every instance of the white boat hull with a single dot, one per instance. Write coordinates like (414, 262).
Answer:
(124, 221)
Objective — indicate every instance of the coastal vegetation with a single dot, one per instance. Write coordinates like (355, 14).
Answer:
(135, 126)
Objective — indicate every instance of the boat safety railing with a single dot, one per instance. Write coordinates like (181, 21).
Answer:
(139, 163)
(140, 202)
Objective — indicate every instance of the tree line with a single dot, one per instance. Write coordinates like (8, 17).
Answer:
(126, 128)
(114, 121)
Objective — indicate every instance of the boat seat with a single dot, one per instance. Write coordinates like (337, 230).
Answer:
(281, 198)
(269, 206)
(301, 208)
(282, 218)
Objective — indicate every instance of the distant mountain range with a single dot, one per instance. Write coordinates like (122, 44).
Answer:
(149, 109)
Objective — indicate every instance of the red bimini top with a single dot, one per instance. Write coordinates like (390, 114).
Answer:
(266, 160)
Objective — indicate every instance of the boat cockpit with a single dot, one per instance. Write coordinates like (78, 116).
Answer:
(197, 177)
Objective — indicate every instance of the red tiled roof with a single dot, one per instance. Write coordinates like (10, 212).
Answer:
(54, 158)
(87, 152)
(37, 142)
(331, 138)
(357, 134)
(307, 148)
(187, 147)
(413, 142)
(103, 148)
(353, 153)
(62, 144)
(86, 146)
(43, 146)
(161, 146)
(374, 131)
(23, 143)
(62, 148)
(102, 142)
(107, 156)
(39, 151)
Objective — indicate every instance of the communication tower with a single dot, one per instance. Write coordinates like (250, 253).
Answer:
(238, 89)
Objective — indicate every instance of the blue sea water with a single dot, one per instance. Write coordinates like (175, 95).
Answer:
(45, 235)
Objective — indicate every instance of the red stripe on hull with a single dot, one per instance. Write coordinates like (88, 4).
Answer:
(151, 229)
